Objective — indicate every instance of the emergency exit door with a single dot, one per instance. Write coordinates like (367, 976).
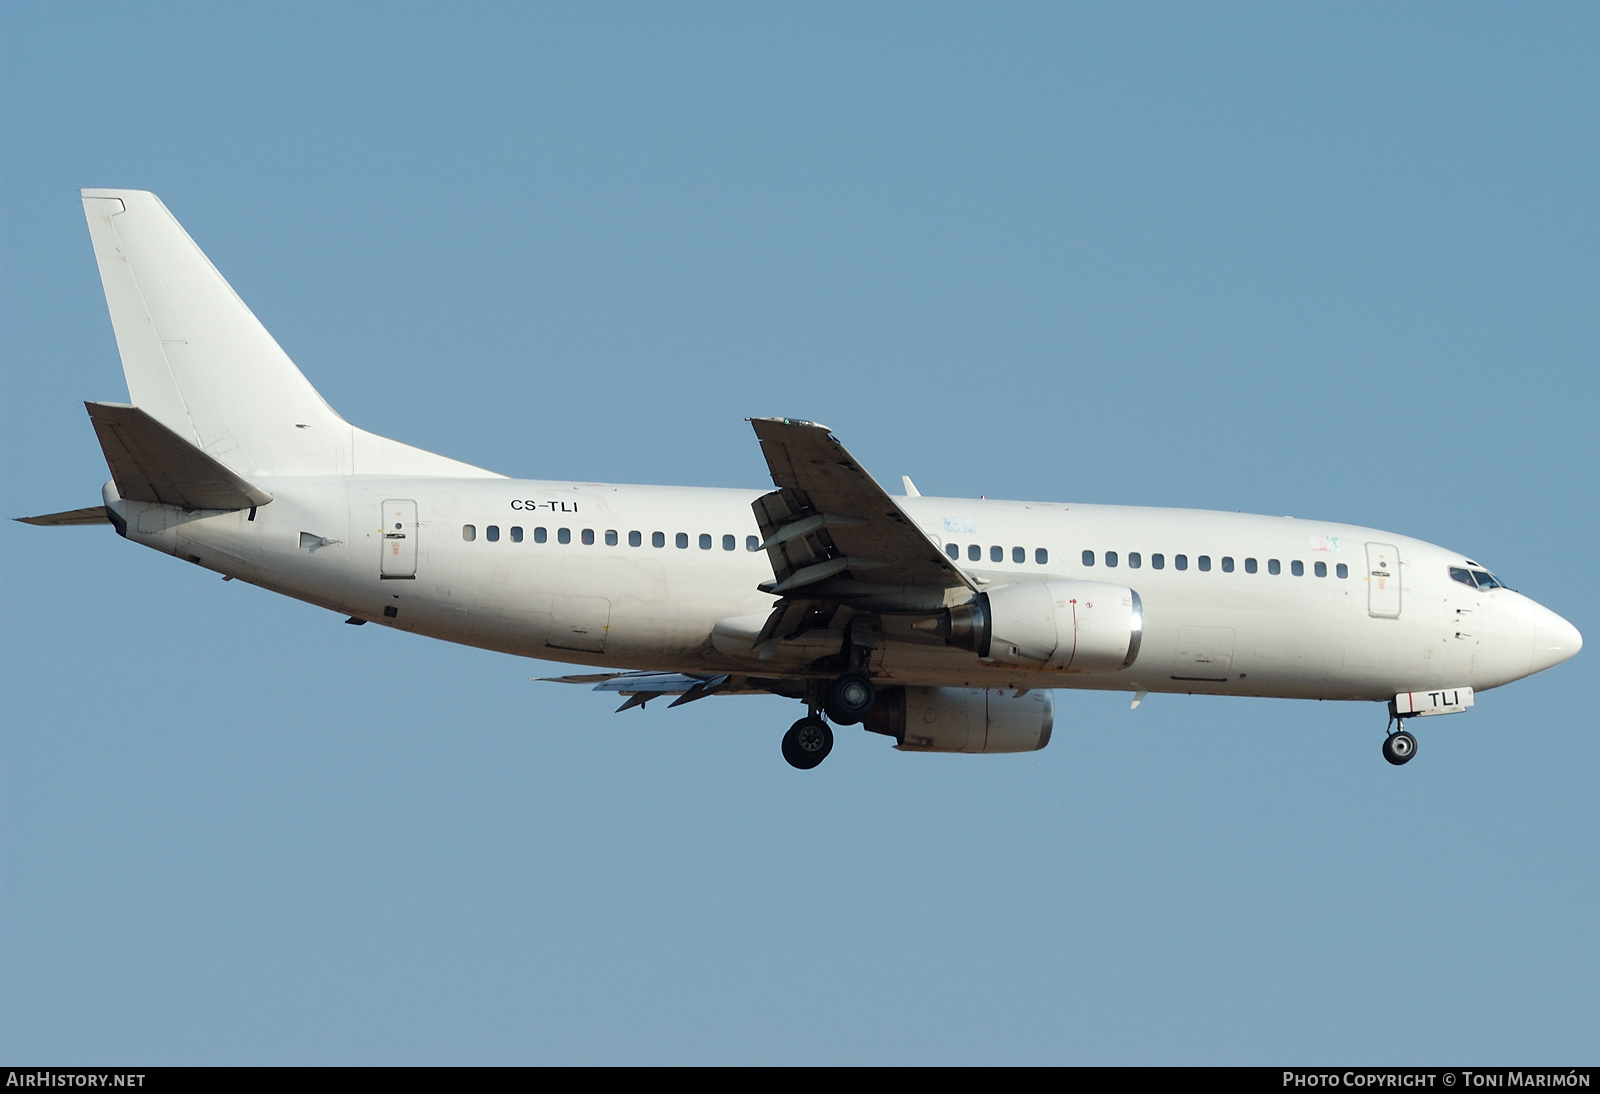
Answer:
(399, 558)
(1383, 581)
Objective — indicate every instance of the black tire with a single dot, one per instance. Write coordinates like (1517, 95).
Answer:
(1398, 748)
(850, 699)
(807, 743)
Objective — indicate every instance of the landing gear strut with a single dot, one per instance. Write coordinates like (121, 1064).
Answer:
(807, 743)
(850, 698)
(1399, 747)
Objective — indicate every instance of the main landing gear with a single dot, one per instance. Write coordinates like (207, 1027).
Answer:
(850, 698)
(807, 743)
(847, 700)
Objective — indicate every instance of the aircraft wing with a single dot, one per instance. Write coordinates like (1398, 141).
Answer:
(641, 687)
(830, 530)
(630, 683)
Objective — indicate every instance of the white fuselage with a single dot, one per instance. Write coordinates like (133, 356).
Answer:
(244, 469)
(569, 585)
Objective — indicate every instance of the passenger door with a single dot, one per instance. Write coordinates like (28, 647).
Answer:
(1383, 581)
(399, 550)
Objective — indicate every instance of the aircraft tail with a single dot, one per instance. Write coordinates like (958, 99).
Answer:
(199, 363)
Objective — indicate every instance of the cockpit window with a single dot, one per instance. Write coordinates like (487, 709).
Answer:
(1480, 579)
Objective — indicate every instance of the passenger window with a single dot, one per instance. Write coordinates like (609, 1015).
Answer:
(469, 532)
(728, 543)
(974, 552)
(1342, 570)
(516, 533)
(682, 540)
(563, 535)
(1274, 566)
(1018, 555)
(1158, 562)
(1135, 560)
(1227, 564)
(1088, 558)
(1111, 558)
(492, 533)
(952, 550)
(1249, 565)
(540, 535)
(1180, 562)
(705, 541)
(752, 543)
(611, 537)
(1321, 569)
(1041, 557)
(1205, 563)
(997, 553)
(658, 539)
(635, 539)
(588, 537)
(1297, 568)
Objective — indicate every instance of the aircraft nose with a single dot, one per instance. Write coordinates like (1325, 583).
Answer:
(1554, 639)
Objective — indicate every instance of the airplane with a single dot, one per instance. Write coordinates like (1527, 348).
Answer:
(944, 623)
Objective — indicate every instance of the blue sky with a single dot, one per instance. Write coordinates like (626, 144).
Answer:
(1339, 263)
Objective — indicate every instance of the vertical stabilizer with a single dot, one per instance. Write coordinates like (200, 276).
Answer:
(200, 363)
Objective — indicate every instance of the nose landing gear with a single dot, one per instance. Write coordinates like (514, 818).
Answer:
(1399, 747)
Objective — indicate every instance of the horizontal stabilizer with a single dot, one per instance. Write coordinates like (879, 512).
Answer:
(149, 462)
(94, 514)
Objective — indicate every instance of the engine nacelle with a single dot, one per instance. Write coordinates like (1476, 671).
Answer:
(1076, 626)
(963, 719)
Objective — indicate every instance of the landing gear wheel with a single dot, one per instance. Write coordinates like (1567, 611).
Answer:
(850, 698)
(1399, 747)
(807, 743)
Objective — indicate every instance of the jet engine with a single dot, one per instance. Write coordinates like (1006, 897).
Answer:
(1072, 626)
(963, 719)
